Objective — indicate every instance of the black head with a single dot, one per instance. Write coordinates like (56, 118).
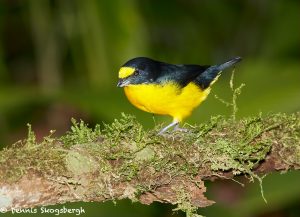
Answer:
(140, 70)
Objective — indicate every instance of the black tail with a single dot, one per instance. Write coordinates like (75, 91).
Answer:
(210, 75)
(229, 63)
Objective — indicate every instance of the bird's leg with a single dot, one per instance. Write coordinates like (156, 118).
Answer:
(174, 123)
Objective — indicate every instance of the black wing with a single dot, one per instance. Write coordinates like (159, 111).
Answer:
(181, 74)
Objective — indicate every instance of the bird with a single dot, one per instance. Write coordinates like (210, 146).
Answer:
(168, 89)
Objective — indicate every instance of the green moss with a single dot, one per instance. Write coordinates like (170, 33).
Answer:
(184, 204)
(79, 164)
(31, 139)
(80, 133)
(145, 154)
(47, 158)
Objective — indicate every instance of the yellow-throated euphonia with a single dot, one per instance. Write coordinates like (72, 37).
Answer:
(168, 89)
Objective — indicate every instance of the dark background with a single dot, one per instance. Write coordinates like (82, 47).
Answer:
(60, 59)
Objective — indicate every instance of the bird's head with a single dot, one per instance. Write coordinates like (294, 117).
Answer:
(140, 70)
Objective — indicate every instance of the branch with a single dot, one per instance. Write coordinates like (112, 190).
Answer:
(124, 161)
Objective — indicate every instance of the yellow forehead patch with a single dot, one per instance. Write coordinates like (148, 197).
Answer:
(125, 72)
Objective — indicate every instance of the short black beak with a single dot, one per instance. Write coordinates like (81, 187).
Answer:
(119, 83)
(122, 83)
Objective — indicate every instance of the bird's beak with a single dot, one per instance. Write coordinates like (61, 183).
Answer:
(123, 82)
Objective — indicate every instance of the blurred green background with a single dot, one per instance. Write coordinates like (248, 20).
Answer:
(59, 59)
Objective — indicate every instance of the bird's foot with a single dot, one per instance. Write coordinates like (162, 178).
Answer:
(177, 128)
(165, 129)
(174, 124)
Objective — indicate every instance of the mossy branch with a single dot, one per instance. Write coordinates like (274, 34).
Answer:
(123, 160)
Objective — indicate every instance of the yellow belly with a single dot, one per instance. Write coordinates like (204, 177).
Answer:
(167, 99)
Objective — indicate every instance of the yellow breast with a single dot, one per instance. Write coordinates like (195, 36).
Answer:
(167, 99)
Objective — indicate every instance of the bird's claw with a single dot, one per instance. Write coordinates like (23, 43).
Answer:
(181, 129)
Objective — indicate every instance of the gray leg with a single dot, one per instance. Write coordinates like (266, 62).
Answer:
(174, 123)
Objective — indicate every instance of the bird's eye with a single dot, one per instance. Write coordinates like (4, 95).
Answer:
(136, 72)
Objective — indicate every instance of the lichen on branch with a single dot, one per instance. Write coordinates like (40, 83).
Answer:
(122, 160)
